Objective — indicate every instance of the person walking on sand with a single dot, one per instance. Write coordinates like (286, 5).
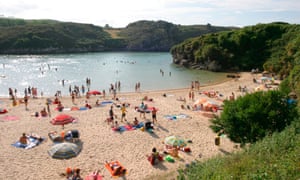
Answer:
(154, 110)
(26, 102)
(123, 110)
(111, 115)
(48, 108)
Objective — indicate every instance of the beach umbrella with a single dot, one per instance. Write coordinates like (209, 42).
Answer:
(62, 119)
(94, 92)
(64, 150)
(175, 141)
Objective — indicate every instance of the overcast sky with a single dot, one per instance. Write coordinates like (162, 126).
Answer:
(119, 13)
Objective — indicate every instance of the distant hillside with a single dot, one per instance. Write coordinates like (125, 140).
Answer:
(19, 36)
(46, 36)
(161, 35)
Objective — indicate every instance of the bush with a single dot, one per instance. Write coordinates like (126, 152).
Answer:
(252, 117)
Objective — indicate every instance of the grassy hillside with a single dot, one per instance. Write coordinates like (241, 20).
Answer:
(19, 36)
(275, 157)
(46, 36)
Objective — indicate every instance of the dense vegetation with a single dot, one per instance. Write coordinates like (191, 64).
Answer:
(274, 157)
(161, 35)
(273, 47)
(252, 117)
(19, 36)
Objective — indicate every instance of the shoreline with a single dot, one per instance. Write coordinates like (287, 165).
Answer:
(226, 79)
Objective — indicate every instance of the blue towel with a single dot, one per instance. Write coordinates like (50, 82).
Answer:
(141, 124)
(32, 143)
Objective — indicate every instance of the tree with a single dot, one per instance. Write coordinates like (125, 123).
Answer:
(252, 117)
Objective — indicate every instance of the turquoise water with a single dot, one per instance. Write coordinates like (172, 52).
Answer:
(46, 72)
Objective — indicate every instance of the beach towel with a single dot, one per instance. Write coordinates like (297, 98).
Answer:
(175, 117)
(33, 142)
(107, 102)
(128, 127)
(94, 177)
(10, 118)
(115, 168)
(141, 124)
(120, 129)
(148, 110)
(83, 108)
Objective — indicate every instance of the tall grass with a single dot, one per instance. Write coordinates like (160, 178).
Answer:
(275, 157)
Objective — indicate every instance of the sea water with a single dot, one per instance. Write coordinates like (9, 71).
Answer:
(52, 73)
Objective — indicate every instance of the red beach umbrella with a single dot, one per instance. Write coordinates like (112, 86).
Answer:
(94, 92)
(62, 119)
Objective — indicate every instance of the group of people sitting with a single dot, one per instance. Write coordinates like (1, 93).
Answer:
(73, 174)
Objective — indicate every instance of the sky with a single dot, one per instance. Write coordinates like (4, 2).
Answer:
(120, 13)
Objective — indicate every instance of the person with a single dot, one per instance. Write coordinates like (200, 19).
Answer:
(123, 110)
(154, 110)
(26, 102)
(48, 108)
(76, 175)
(154, 156)
(69, 173)
(60, 107)
(173, 151)
(87, 105)
(94, 175)
(116, 126)
(44, 112)
(14, 101)
(23, 139)
(135, 122)
(142, 110)
(36, 137)
(56, 100)
(149, 126)
(73, 97)
(111, 113)
(97, 102)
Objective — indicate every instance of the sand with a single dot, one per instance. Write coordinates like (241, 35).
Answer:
(101, 143)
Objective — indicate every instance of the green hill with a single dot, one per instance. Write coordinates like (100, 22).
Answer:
(272, 46)
(162, 35)
(19, 36)
(45, 36)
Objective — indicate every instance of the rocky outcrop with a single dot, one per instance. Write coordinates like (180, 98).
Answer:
(207, 65)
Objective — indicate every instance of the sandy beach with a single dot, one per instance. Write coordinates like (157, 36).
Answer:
(101, 143)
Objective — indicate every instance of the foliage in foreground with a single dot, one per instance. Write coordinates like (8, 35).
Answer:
(275, 157)
(254, 116)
